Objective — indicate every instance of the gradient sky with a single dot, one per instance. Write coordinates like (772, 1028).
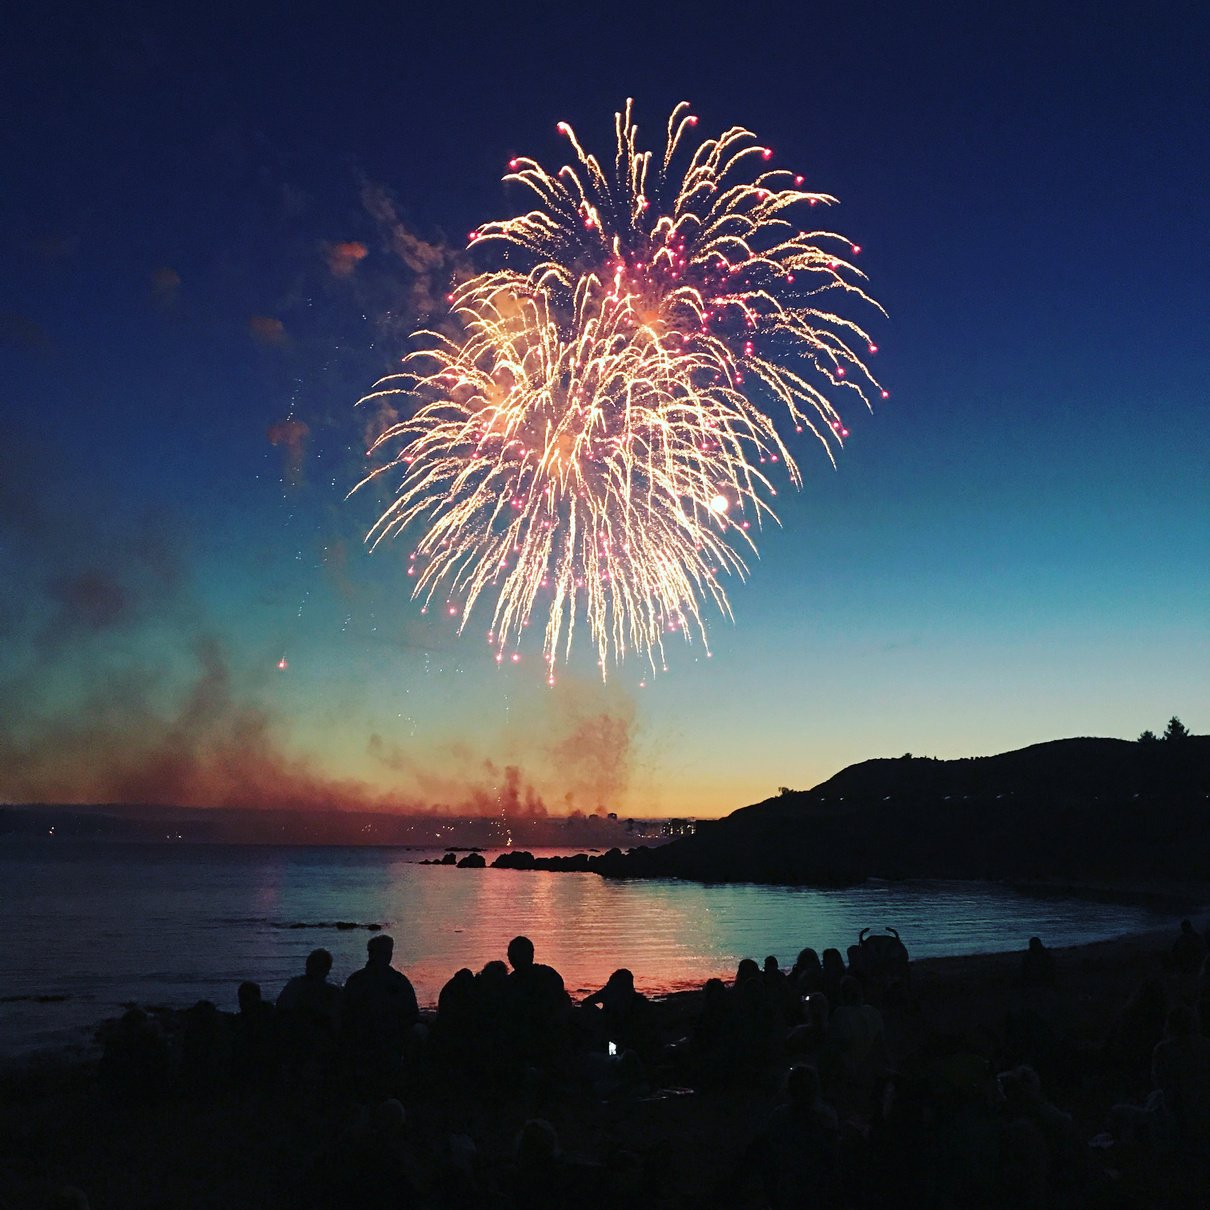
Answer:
(210, 230)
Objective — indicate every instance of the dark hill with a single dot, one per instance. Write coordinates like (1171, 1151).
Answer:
(1075, 809)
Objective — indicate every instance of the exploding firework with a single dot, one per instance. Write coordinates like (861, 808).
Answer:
(591, 439)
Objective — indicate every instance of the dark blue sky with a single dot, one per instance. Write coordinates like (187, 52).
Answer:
(1013, 548)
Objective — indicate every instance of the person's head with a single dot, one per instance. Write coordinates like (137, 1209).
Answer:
(521, 953)
(833, 963)
(493, 972)
(802, 1085)
(807, 959)
(771, 965)
(319, 964)
(380, 948)
(1035, 945)
(249, 996)
(621, 980)
(747, 969)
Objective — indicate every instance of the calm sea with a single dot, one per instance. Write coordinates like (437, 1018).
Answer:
(105, 925)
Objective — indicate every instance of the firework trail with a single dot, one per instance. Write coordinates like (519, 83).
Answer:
(591, 441)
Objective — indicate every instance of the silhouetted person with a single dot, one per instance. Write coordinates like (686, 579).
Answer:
(205, 1058)
(799, 1153)
(1139, 1028)
(538, 1006)
(1024, 1101)
(1037, 965)
(834, 971)
(311, 992)
(1180, 1072)
(807, 972)
(1188, 950)
(1177, 1111)
(379, 1011)
(856, 1046)
(755, 1022)
(135, 1063)
(783, 996)
(712, 1043)
(619, 1014)
(457, 1014)
(747, 969)
(254, 1042)
(371, 1165)
(806, 1041)
(309, 1015)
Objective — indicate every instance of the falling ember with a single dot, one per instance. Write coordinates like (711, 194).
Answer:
(608, 391)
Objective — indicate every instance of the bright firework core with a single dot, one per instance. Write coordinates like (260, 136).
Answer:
(592, 441)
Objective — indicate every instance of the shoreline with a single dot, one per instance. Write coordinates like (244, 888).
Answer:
(999, 966)
(692, 1144)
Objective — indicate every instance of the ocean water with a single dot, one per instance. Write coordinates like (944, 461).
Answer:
(88, 928)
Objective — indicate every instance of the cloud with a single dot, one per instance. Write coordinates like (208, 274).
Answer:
(267, 331)
(115, 686)
(165, 286)
(343, 258)
(291, 435)
(432, 264)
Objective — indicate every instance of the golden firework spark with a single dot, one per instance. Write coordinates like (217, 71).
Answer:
(591, 440)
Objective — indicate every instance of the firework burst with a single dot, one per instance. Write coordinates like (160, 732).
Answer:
(592, 440)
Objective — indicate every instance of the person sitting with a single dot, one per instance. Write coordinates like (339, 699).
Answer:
(311, 992)
(807, 972)
(136, 1062)
(380, 1010)
(783, 998)
(254, 1050)
(1177, 1111)
(856, 1046)
(456, 1012)
(1180, 1072)
(205, 1057)
(1188, 950)
(619, 1014)
(747, 969)
(712, 1047)
(537, 1004)
(799, 1149)
(833, 972)
(1037, 965)
(309, 1012)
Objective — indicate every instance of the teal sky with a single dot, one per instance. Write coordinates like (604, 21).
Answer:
(1014, 548)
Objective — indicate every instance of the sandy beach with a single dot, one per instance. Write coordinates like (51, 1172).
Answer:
(668, 1144)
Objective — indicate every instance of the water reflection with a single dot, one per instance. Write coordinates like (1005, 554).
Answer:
(104, 925)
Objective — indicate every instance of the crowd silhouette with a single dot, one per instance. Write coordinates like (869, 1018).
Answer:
(859, 1100)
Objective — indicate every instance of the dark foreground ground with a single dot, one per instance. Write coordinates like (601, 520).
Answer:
(665, 1138)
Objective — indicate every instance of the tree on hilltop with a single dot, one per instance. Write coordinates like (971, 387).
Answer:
(1176, 730)
(1149, 737)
